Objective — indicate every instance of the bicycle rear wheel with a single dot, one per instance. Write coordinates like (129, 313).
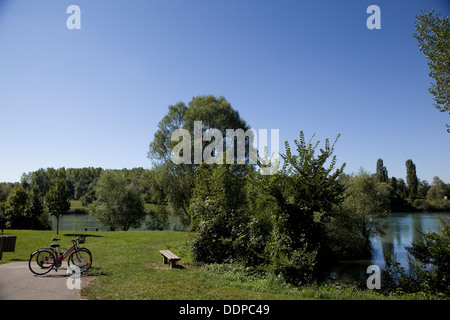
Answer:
(82, 258)
(41, 262)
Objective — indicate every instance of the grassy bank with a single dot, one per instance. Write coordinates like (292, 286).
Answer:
(127, 265)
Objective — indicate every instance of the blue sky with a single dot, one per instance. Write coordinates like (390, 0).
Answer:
(94, 96)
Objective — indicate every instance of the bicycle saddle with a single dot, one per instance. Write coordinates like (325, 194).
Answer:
(54, 245)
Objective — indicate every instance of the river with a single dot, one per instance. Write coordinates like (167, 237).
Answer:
(402, 229)
(78, 222)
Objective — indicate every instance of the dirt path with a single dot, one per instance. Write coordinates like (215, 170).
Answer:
(18, 283)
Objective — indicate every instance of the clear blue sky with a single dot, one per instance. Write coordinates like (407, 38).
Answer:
(93, 97)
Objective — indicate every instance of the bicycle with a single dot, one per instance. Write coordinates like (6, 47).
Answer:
(44, 260)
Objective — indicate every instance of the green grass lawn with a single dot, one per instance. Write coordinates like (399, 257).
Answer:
(76, 204)
(128, 265)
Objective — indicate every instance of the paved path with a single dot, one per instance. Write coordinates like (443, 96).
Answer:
(18, 283)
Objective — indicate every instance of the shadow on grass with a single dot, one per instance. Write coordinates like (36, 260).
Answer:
(162, 266)
(19, 260)
(81, 234)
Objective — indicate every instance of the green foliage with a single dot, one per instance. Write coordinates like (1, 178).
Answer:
(218, 214)
(173, 184)
(57, 200)
(381, 173)
(158, 219)
(278, 221)
(23, 210)
(79, 182)
(16, 206)
(361, 215)
(5, 190)
(2, 216)
(177, 181)
(433, 249)
(428, 265)
(433, 34)
(119, 203)
(438, 190)
(36, 212)
(294, 259)
(411, 179)
(305, 192)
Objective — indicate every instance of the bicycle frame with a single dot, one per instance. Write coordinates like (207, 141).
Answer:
(59, 258)
(62, 257)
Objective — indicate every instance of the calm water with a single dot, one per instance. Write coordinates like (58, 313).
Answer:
(77, 222)
(402, 229)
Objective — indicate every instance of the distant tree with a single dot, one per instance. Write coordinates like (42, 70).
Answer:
(401, 188)
(35, 207)
(16, 206)
(438, 190)
(79, 181)
(119, 203)
(57, 200)
(382, 173)
(411, 179)
(5, 190)
(433, 35)
(2, 216)
(393, 183)
(423, 188)
(158, 219)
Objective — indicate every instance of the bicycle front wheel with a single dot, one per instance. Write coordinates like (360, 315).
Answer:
(41, 262)
(82, 258)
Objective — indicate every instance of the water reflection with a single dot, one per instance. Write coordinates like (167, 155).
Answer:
(401, 230)
(78, 222)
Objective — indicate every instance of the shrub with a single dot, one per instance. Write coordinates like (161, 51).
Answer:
(432, 253)
(157, 219)
(428, 262)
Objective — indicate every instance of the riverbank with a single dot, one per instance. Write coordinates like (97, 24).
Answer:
(127, 265)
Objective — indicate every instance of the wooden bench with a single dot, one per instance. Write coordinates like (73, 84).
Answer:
(87, 228)
(169, 257)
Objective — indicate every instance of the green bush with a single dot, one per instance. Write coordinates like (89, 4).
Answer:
(428, 262)
(432, 253)
(157, 219)
(296, 266)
